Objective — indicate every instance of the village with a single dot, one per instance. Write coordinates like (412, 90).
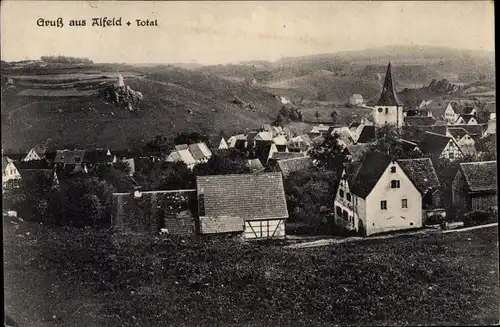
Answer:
(398, 168)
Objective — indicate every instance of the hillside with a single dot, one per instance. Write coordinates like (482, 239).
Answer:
(413, 66)
(174, 100)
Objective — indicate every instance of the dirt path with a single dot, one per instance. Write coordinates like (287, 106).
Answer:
(324, 242)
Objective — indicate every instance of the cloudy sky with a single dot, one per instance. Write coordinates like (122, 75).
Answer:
(221, 32)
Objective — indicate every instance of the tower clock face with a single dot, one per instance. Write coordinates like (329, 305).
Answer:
(380, 109)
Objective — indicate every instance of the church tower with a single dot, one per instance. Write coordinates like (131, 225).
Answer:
(389, 109)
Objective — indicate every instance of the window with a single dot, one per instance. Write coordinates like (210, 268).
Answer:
(386, 110)
(383, 205)
(201, 204)
(345, 215)
(404, 203)
(348, 197)
(393, 169)
(338, 210)
(451, 155)
(341, 193)
(380, 109)
(395, 184)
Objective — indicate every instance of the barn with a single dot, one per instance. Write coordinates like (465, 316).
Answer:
(252, 205)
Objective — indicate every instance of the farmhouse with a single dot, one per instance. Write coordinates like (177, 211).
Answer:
(10, 173)
(454, 110)
(475, 186)
(440, 146)
(232, 140)
(376, 195)
(249, 204)
(183, 155)
(69, 157)
(171, 212)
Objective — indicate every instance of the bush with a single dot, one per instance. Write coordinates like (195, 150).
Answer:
(476, 218)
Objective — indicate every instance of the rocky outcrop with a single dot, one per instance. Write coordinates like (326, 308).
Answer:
(123, 96)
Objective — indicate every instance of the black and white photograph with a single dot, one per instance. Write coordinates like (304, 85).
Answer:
(249, 163)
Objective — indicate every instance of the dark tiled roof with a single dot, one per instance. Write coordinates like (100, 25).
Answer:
(252, 135)
(457, 132)
(421, 172)
(463, 110)
(33, 174)
(289, 166)
(97, 156)
(369, 172)
(434, 143)
(480, 176)
(472, 129)
(249, 196)
(367, 134)
(419, 121)
(287, 155)
(389, 97)
(33, 165)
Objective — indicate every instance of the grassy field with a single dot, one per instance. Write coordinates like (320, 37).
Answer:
(86, 278)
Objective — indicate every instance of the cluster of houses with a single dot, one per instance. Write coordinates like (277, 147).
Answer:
(375, 193)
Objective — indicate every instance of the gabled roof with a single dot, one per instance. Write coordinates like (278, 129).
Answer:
(466, 118)
(434, 143)
(421, 172)
(186, 157)
(368, 174)
(196, 152)
(367, 134)
(289, 166)
(356, 151)
(249, 196)
(264, 136)
(389, 97)
(480, 176)
(473, 129)
(280, 140)
(204, 149)
(32, 174)
(457, 132)
(287, 155)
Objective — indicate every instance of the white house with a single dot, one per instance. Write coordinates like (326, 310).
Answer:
(389, 109)
(10, 172)
(377, 196)
(232, 140)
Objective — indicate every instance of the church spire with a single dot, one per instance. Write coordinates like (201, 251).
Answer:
(388, 97)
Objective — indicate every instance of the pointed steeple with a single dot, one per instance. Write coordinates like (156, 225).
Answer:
(388, 97)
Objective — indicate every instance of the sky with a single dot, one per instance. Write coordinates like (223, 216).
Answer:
(223, 32)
